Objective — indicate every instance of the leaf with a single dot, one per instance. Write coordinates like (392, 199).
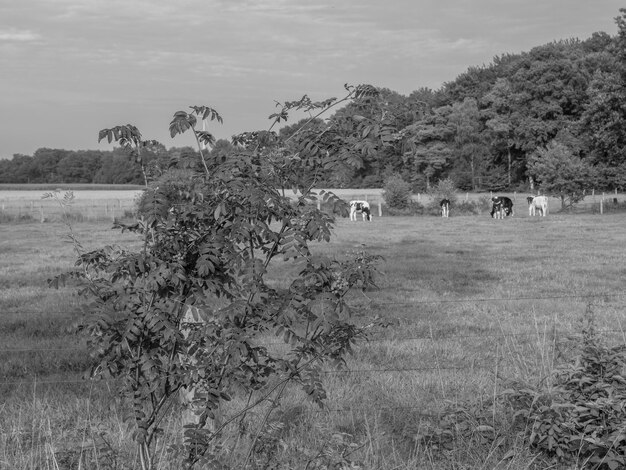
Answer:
(181, 123)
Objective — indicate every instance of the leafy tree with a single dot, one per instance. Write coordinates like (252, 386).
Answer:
(561, 173)
(79, 167)
(20, 169)
(604, 120)
(396, 192)
(47, 161)
(467, 126)
(118, 169)
(426, 145)
(366, 133)
(503, 118)
(192, 309)
(445, 189)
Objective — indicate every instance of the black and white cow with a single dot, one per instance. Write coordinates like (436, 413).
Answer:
(445, 207)
(502, 207)
(360, 206)
(537, 203)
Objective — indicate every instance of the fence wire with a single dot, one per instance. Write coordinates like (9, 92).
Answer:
(432, 336)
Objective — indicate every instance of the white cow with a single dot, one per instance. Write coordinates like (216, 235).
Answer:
(537, 203)
(360, 206)
(445, 207)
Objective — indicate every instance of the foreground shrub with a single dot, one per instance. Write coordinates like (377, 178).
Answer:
(190, 312)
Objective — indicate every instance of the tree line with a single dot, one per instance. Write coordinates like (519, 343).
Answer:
(524, 121)
(48, 165)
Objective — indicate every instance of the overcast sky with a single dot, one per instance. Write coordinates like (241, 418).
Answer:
(69, 68)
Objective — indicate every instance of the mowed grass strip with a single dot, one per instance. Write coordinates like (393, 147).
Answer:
(469, 299)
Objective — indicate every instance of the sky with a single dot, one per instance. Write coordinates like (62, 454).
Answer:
(69, 68)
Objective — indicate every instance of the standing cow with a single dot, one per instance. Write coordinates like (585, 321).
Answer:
(502, 206)
(445, 207)
(537, 203)
(360, 206)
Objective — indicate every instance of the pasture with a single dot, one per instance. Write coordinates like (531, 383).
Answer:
(474, 303)
(93, 203)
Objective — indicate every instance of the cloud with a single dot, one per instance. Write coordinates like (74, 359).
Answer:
(16, 35)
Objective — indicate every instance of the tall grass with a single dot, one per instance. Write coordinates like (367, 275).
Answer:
(475, 304)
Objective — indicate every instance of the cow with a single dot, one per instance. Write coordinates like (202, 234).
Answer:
(445, 207)
(360, 206)
(537, 203)
(502, 206)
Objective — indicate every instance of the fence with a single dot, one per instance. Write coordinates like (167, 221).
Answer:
(44, 210)
(493, 338)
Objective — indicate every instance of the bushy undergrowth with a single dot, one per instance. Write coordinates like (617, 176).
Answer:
(397, 193)
(575, 417)
(411, 208)
(460, 207)
(6, 218)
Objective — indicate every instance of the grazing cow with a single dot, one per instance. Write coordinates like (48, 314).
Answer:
(502, 206)
(537, 203)
(445, 207)
(360, 206)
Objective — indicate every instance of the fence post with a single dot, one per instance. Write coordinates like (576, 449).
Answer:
(380, 209)
(319, 205)
(601, 202)
(42, 216)
(466, 197)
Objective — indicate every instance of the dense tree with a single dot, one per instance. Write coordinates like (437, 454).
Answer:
(79, 167)
(427, 147)
(47, 161)
(469, 149)
(118, 169)
(561, 173)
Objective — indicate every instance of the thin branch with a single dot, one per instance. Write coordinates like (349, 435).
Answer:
(262, 425)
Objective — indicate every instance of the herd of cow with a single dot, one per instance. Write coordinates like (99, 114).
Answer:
(501, 207)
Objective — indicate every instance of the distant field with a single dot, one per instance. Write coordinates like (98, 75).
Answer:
(89, 204)
(65, 186)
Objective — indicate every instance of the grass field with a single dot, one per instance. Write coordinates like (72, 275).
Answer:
(471, 299)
